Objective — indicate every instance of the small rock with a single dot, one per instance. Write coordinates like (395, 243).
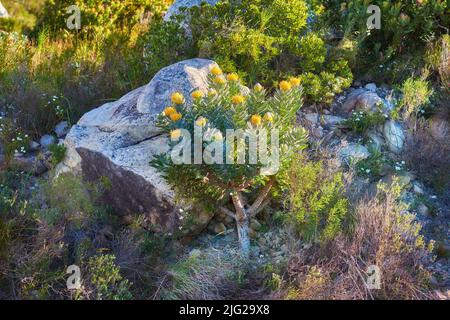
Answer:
(219, 228)
(376, 142)
(34, 146)
(317, 132)
(423, 210)
(47, 140)
(353, 152)
(61, 129)
(417, 188)
(331, 121)
(372, 87)
(29, 164)
(395, 138)
(312, 117)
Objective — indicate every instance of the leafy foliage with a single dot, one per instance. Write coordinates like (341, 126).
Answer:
(317, 206)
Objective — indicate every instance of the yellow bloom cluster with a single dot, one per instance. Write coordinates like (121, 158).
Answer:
(197, 94)
(232, 77)
(295, 82)
(237, 99)
(175, 134)
(285, 86)
(177, 98)
(220, 80)
(216, 71)
(256, 119)
(201, 121)
(258, 87)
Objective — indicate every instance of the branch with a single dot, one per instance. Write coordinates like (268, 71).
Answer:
(261, 197)
(261, 207)
(227, 212)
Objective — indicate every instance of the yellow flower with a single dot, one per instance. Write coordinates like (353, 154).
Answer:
(175, 116)
(197, 94)
(255, 120)
(232, 77)
(216, 71)
(285, 86)
(258, 87)
(175, 134)
(177, 98)
(219, 80)
(169, 110)
(295, 82)
(268, 117)
(212, 92)
(201, 121)
(237, 99)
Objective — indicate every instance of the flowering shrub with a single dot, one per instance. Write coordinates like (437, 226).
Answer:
(222, 172)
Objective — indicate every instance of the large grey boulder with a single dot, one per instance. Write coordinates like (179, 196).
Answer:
(118, 139)
(174, 9)
(185, 77)
(3, 12)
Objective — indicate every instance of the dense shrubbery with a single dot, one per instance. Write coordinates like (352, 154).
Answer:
(100, 16)
(396, 50)
(263, 40)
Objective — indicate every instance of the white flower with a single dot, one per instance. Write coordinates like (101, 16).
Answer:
(367, 170)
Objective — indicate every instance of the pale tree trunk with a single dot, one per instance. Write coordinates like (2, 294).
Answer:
(242, 224)
(242, 216)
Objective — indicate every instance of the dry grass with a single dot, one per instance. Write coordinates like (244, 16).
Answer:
(383, 236)
(429, 156)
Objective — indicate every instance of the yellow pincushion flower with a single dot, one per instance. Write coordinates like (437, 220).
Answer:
(177, 98)
(197, 94)
(175, 134)
(212, 92)
(201, 122)
(237, 99)
(268, 117)
(175, 116)
(295, 82)
(169, 110)
(285, 86)
(256, 120)
(258, 87)
(232, 77)
(216, 71)
(219, 80)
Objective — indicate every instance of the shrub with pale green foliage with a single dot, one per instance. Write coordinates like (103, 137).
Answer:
(318, 208)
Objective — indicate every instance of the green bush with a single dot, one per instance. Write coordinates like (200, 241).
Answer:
(263, 40)
(361, 121)
(318, 208)
(105, 278)
(416, 94)
(395, 50)
(103, 16)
